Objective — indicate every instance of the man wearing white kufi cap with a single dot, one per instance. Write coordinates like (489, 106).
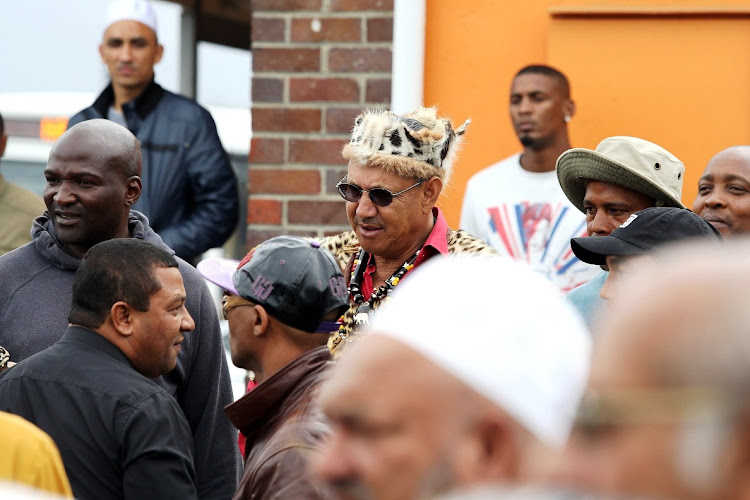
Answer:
(189, 187)
(473, 368)
(188, 197)
(398, 166)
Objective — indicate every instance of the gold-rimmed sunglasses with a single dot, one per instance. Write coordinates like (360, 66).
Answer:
(230, 301)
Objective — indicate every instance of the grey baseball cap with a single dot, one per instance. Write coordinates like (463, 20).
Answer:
(295, 279)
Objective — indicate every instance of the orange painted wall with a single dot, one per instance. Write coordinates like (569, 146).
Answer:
(673, 72)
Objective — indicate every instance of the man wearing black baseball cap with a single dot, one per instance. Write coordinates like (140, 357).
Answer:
(281, 301)
(633, 243)
(608, 184)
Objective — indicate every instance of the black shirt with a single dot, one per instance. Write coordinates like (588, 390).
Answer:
(120, 435)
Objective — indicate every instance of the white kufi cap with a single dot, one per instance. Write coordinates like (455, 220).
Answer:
(131, 10)
(501, 329)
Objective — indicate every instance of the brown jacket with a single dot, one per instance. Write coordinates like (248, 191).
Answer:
(283, 429)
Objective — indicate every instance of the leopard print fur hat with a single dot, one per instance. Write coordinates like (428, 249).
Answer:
(416, 145)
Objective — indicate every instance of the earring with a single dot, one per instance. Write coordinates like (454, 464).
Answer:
(567, 118)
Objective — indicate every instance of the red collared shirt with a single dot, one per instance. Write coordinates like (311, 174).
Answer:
(436, 243)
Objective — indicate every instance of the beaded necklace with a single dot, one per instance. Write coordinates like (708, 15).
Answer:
(358, 270)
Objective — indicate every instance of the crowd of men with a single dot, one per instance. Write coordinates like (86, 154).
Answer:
(400, 360)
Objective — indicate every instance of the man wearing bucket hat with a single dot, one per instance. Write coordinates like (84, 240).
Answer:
(516, 205)
(621, 176)
(398, 165)
(189, 186)
(632, 244)
(281, 302)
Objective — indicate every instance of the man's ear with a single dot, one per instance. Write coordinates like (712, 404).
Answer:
(159, 53)
(121, 316)
(261, 321)
(431, 191)
(134, 187)
(499, 445)
(3, 142)
(569, 108)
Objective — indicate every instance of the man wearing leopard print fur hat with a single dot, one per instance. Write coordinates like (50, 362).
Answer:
(398, 166)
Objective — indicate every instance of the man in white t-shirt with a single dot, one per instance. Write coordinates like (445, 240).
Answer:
(516, 205)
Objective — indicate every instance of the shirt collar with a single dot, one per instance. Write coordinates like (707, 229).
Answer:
(436, 243)
(437, 238)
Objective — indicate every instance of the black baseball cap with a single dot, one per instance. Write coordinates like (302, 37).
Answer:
(642, 233)
(295, 279)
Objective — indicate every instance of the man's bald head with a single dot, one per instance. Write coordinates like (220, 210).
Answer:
(724, 191)
(102, 140)
(668, 412)
(688, 313)
(93, 178)
(741, 152)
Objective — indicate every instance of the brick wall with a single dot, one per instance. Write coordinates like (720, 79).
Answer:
(316, 64)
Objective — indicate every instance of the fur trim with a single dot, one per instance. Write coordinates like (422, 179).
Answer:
(416, 145)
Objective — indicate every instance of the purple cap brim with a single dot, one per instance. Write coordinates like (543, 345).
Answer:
(219, 272)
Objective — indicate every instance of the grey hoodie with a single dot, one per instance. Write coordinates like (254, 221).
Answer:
(36, 282)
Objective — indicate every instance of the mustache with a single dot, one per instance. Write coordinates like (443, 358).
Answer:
(369, 221)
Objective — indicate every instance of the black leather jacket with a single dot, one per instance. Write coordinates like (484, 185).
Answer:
(189, 187)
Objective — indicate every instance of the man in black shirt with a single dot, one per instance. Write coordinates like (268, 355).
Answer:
(120, 435)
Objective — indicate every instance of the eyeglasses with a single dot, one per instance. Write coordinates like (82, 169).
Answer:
(651, 406)
(378, 196)
(229, 301)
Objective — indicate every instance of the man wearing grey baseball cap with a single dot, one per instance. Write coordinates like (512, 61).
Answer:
(608, 184)
(281, 302)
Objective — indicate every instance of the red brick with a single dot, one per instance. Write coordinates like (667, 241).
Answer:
(263, 211)
(359, 60)
(267, 89)
(265, 59)
(277, 5)
(333, 176)
(378, 90)
(330, 30)
(380, 29)
(264, 29)
(323, 89)
(341, 120)
(316, 212)
(254, 237)
(284, 181)
(264, 150)
(350, 5)
(286, 120)
(313, 151)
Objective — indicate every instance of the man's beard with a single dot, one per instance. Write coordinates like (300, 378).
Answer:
(535, 144)
(440, 479)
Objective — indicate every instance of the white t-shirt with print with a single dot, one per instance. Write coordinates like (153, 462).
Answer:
(526, 215)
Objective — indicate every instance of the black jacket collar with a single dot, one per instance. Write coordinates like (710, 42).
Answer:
(144, 103)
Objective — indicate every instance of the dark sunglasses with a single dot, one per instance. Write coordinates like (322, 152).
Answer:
(378, 196)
